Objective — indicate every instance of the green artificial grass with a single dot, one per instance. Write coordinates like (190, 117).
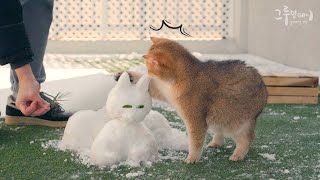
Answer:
(290, 133)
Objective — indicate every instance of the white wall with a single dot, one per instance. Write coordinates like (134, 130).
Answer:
(295, 45)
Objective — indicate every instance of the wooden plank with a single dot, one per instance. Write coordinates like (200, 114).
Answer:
(292, 100)
(292, 91)
(291, 81)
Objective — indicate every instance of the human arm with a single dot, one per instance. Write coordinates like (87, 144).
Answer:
(14, 44)
(15, 50)
(28, 100)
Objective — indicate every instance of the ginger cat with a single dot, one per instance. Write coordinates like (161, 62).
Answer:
(223, 97)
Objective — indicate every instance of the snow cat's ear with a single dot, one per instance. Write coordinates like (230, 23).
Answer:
(143, 83)
(154, 39)
(124, 81)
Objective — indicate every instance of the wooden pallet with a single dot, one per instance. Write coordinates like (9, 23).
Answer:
(292, 90)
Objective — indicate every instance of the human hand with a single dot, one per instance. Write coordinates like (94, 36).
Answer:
(28, 99)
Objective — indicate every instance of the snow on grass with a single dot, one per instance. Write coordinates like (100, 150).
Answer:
(271, 157)
(286, 171)
(295, 158)
(296, 118)
(134, 174)
(16, 128)
(277, 113)
(75, 176)
(50, 144)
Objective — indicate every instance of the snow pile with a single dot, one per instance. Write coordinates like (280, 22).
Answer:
(82, 128)
(125, 131)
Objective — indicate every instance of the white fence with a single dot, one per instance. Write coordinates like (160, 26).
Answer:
(104, 20)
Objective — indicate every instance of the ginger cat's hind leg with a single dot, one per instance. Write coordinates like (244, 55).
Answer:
(243, 141)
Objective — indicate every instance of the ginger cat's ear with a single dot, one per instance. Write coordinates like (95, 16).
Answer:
(154, 39)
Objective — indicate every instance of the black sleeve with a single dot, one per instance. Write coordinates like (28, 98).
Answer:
(14, 44)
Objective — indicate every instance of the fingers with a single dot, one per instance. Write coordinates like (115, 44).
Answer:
(42, 107)
(28, 99)
(43, 103)
(27, 108)
(39, 111)
(36, 107)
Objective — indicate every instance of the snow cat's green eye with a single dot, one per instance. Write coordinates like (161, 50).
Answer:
(127, 106)
(140, 106)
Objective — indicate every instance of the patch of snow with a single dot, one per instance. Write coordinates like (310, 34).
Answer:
(134, 174)
(16, 128)
(172, 155)
(267, 156)
(277, 113)
(50, 144)
(75, 177)
(246, 175)
(264, 146)
(286, 171)
(296, 117)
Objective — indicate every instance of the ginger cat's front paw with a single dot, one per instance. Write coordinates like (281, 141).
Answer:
(236, 157)
(214, 145)
(192, 159)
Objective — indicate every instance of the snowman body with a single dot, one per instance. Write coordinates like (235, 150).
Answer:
(125, 138)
